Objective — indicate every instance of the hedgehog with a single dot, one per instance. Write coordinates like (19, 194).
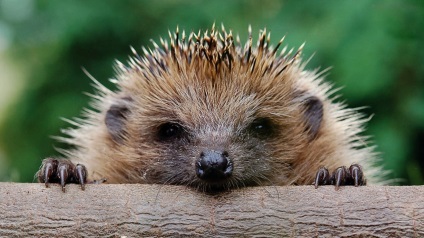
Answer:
(208, 112)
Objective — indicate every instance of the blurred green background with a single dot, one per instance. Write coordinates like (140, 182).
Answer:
(376, 49)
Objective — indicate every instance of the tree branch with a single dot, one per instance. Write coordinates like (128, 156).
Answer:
(158, 210)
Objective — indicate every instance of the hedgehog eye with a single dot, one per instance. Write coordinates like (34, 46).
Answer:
(169, 131)
(261, 127)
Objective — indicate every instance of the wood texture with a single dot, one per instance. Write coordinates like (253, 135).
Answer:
(137, 210)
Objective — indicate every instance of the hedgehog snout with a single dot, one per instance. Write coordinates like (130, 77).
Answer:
(214, 165)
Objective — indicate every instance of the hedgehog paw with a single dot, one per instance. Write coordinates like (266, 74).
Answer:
(62, 171)
(341, 176)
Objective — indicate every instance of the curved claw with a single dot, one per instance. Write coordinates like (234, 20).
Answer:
(340, 175)
(47, 174)
(322, 177)
(63, 175)
(81, 175)
(357, 175)
(49, 169)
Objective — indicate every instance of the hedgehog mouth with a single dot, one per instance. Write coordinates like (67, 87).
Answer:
(214, 187)
(221, 185)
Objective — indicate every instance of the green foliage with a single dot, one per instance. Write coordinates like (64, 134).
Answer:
(374, 47)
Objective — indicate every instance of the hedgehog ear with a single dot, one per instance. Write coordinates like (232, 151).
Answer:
(313, 115)
(115, 118)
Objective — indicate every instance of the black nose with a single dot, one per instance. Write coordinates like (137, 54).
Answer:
(214, 165)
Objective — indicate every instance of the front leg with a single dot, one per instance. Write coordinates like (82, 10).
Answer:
(62, 171)
(341, 176)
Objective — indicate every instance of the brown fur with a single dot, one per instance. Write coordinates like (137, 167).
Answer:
(216, 88)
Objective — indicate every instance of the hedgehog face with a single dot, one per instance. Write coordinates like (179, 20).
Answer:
(212, 136)
(205, 149)
(202, 148)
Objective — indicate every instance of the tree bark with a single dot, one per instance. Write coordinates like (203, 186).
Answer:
(137, 210)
